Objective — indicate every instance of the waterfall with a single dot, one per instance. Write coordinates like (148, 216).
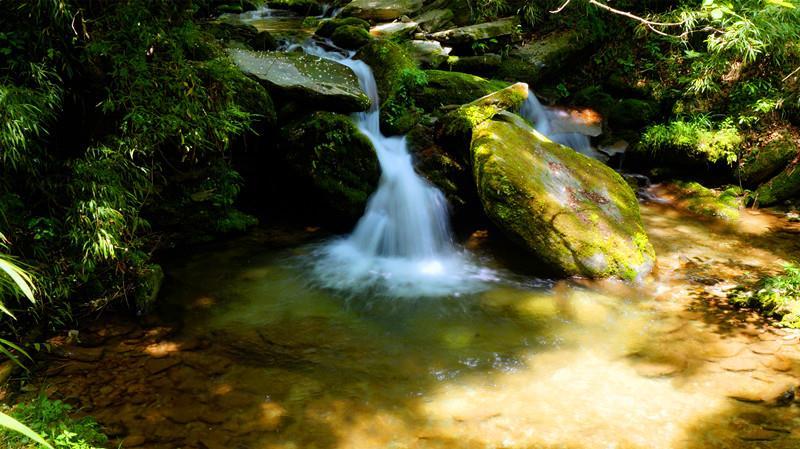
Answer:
(402, 245)
(545, 121)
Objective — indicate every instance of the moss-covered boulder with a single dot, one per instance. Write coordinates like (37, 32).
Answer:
(429, 54)
(453, 88)
(351, 37)
(337, 162)
(699, 200)
(455, 129)
(329, 26)
(534, 60)
(573, 212)
(785, 185)
(449, 173)
(768, 159)
(304, 79)
(483, 65)
(397, 76)
(434, 19)
(382, 10)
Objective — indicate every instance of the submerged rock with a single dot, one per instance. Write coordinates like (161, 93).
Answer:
(330, 155)
(573, 212)
(381, 9)
(305, 79)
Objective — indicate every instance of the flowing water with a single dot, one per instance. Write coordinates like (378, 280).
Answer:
(266, 360)
(546, 121)
(402, 246)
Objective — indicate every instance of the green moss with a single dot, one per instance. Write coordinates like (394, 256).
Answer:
(457, 125)
(782, 187)
(572, 211)
(350, 36)
(448, 88)
(329, 26)
(765, 161)
(776, 296)
(327, 151)
(703, 201)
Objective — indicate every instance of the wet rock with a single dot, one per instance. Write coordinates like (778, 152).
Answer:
(780, 392)
(381, 10)
(473, 33)
(534, 60)
(434, 20)
(485, 65)
(304, 79)
(768, 159)
(660, 369)
(740, 363)
(429, 53)
(766, 347)
(350, 36)
(82, 354)
(779, 363)
(759, 434)
(575, 213)
(134, 441)
(155, 366)
(725, 349)
(393, 30)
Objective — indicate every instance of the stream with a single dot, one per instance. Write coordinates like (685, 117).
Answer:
(278, 340)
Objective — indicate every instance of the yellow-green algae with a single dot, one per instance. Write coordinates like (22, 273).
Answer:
(574, 212)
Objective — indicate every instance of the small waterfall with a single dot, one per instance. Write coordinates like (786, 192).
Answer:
(544, 120)
(402, 245)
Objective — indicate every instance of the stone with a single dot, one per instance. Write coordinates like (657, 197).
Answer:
(725, 349)
(783, 186)
(429, 53)
(486, 64)
(308, 80)
(328, 27)
(150, 281)
(351, 37)
(155, 366)
(134, 441)
(335, 161)
(740, 363)
(660, 369)
(573, 212)
(534, 60)
(453, 88)
(393, 30)
(434, 19)
(767, 159)
(381, 10)
(766, 347)
(473, 33)
(7, 368)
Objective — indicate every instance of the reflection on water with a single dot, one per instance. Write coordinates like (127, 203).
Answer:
(527, 363)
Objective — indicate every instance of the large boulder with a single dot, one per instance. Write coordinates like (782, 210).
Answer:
(434, 20)
(329, 26)
(473, 33)
(785, 185)
(328, 154)
(453, 88)
(767, 159)
(429, 53)
(532, 61)
(382, 10)
(304, 79)
(351, 37)
(573, 212)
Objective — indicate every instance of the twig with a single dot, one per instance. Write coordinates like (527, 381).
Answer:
(648, 23)
(790, 75)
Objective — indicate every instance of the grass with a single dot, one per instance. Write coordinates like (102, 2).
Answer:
(775, 296)
(51, 419)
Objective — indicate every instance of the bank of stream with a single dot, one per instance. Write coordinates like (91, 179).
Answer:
(262, 359)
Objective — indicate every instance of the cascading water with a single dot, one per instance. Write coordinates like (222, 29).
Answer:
(544, 119)
(402, 245)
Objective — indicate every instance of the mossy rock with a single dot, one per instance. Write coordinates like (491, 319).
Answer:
(453, 88)
(328, 153)
(328, 27)
(765, 161)
(382, 10)
(533, 61)
(455, 129)
(784, 186)
(481, 31)
(304, 79)
(445, 171)
(351, 37)
(230, 31)
(631, 113)
(573, 212)
(703, 201)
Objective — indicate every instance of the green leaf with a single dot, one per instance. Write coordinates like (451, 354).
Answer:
(783, 3)
(16, 426)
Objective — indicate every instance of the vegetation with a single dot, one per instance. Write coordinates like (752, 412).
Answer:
(51, 420)
(777, 296)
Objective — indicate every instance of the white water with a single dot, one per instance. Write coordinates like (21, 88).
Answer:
(544, 118)
(401, 246)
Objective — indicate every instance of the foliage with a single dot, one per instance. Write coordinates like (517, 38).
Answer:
(777, 296)
(113, 114)
(51, 419)
(698, 137)
(12, 425)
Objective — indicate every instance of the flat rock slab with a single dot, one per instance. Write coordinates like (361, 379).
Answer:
(325, 84)
(473, 33)
(740, 363)
(381, 9)
(766, 347)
